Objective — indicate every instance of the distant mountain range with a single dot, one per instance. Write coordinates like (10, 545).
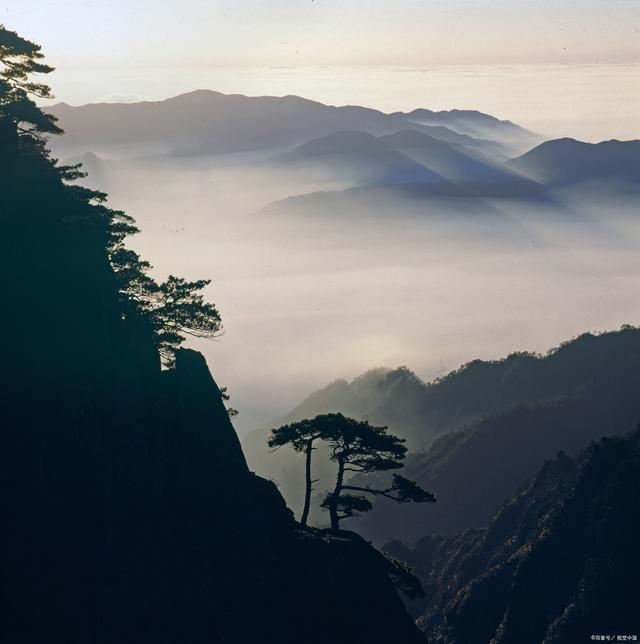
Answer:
(473, 123)
(557, 563)
(464, 174)
(380, 163)
(207, 122)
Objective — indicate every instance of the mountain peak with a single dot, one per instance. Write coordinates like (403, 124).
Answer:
(195, 96)
(565, 161)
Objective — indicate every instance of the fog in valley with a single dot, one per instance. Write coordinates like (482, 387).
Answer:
(323, 321)
(332, 284)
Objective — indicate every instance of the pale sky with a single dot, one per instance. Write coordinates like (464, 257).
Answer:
(543, 63)
(195, 33)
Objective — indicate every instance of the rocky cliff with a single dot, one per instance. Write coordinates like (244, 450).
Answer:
(128, 511)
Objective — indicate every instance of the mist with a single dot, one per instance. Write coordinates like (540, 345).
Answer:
(324, 313)
(329, 285)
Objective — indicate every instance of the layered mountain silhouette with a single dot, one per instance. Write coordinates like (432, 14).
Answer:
(453, 163)
(420, 163)
(492, 148)
(587, 389)
(207, 122)
(407, 156)
(130, 512)
(407, 171)
(475, 124)
(494, 422)
(467, 174)
(357, 154)
(420, 412)
(557, 563)
(567, 161)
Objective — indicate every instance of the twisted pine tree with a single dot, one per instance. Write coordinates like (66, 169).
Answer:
(19, 59)
(172, 309)
(358, 447)
(301, 436)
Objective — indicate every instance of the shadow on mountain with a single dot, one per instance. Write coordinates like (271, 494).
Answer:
(567, 161)
(557, 563)
(587, 389)
(361, 156)
(454, 163)
(475, 124)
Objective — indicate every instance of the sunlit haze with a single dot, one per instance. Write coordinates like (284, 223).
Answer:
(306, 300)
(558, 67)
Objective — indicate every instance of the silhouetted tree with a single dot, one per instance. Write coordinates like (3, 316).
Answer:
(356, 446)
(174, 308)
(301, 436)
(19, 59)
(177, 308)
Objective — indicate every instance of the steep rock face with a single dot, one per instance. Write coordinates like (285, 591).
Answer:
(128, 511)
(558, 563)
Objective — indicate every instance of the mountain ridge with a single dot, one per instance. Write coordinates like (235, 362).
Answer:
(446, 421)
(251, 122)
(356, 153)
(569, 161)
(594, 380)
(555, 563)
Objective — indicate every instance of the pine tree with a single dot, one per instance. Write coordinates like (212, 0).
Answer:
(301, 436)
(358, 447)
(19, 59)
(174, 308)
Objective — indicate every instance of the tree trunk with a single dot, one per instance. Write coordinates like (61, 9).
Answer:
(307, 490)
(333, 505)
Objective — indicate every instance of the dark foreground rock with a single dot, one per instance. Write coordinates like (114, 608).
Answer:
(128, 511)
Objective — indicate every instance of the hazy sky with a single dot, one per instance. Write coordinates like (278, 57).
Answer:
(542, 63)
(194, 33)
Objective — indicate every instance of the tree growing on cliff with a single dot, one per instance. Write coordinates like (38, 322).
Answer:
(174, 308)
(19, 59)
(358, 447)
(301, 436)
(177, 309)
